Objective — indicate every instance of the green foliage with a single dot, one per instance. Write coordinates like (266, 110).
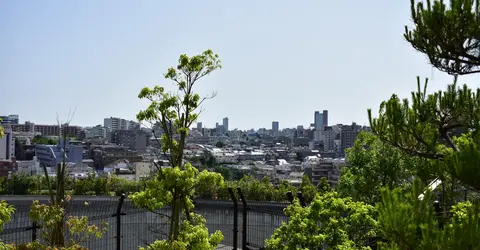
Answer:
(6, 211)
(224, 171)
(258, 190)
(193, 236)
(323, 185)
(307, 188)
(448, 35)
(220, 144)
(407, 222)
(18, 183)
(23, 184)
(50, 216)
(2, 131)
(38, 139)
(159, 192)
(373, 165)
(175, 187)
(464, 164)
(338, 223)
(253, 189)
(425, 128)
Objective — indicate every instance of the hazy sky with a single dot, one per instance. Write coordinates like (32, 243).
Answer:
(282, 60)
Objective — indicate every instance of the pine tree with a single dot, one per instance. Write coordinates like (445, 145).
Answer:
(450, 37)
(429, 125)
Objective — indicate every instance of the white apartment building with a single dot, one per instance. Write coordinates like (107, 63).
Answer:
(318, 135)
(318, 168)
(223, 156)
(97, 131)
(115, 123)
(328, 142)
(25, 136)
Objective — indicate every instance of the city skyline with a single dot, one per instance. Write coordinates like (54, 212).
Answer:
(107, 122)
(96, 57)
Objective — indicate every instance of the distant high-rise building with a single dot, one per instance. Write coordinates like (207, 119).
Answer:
(318, 120)
(348, 135)
(225, 124)
(275, 129)
(300, 131)
(199, 127)
(325, 118)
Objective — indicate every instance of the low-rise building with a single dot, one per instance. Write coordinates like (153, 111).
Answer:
(7, 144)
(52, 155)
(8, 167)
(317, 168)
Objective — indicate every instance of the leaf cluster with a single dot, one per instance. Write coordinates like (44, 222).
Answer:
(329, 222)
(50, 216)
(448, 35)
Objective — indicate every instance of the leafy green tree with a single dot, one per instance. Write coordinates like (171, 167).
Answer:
(307, 188)
(256, 190)
(175, 187)
(52, 216)
(323, 185)
(329, 221)
(220, 144)
(373, 165)
(6, 212)
(18, 184)
(224, 171)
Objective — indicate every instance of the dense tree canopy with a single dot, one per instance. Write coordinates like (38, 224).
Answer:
(329, 220)
(373, 164)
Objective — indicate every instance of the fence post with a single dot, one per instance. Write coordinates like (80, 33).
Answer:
(34, 231)
(302, 199)
(290, 196)
(244, 218)
(235, 218)
(119, 221)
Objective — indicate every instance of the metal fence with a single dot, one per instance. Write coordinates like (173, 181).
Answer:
(244, 224)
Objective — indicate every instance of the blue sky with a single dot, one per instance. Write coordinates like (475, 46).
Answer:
(282, 60)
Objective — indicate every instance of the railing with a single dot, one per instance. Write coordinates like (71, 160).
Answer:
(245, 224)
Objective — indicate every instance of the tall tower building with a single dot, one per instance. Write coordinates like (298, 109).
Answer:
(199, 126)
(325, 118)
(225, 124)
(275, 128)
(318, 120)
